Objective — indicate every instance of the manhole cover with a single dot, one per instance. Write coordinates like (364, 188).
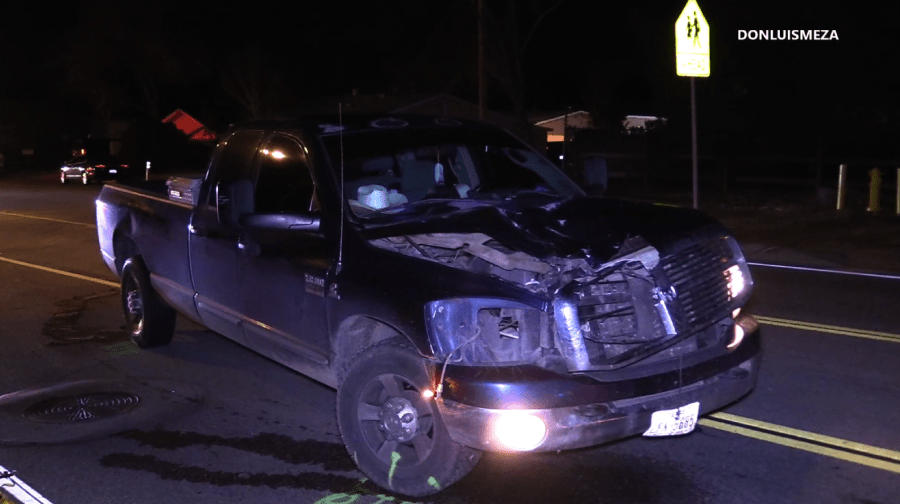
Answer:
(82, 407)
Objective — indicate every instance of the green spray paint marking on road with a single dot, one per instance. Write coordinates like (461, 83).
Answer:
(125, 348)
(433, 482)
(338, 498)
(395, 457)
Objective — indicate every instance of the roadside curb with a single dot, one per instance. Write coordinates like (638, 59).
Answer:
(15, 491)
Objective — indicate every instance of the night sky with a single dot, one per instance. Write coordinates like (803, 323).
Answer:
(87, 62)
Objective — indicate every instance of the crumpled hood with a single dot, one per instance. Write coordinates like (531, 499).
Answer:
(591, 228)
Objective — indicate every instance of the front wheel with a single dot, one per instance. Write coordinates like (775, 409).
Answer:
(148, 320)
(395, 436)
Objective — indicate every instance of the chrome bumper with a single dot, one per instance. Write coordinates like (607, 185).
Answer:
(593, 424)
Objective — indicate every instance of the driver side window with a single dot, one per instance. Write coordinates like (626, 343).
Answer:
(284, 183)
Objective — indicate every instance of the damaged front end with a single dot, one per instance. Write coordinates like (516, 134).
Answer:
(641, 305)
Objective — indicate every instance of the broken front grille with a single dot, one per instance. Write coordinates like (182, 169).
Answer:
(607, 322)
(698, 284)
(611, 321)
(606, 312)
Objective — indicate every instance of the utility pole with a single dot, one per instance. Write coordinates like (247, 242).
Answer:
(565, 137)
(482, 92)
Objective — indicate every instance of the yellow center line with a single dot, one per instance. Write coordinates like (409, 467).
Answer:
(60, 272)
(13, 214)
(845, 331)
(811, 436)
(834, 452)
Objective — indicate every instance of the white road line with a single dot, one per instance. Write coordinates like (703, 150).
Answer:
(14, 214)
(11, 485)
(824, 270)
(61, 272)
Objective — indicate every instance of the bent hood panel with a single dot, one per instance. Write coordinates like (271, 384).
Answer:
(592, 228)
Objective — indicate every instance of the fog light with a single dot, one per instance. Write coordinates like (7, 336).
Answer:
(737, 338)
(519, 431)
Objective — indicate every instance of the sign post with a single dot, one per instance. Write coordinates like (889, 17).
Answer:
(692, 60)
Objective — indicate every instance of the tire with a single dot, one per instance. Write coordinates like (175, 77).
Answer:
(407, 451)
(62, 177)
(148, 320)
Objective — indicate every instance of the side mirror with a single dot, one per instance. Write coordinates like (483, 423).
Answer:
(233, 200)
(279, 230)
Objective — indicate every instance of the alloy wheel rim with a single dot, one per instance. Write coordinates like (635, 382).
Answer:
(396, 422)
(134, 306)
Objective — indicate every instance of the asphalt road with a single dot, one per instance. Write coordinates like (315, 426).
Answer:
(218, 423)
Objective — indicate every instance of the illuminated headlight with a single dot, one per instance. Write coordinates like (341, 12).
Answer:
(519, 431)
(736, 283)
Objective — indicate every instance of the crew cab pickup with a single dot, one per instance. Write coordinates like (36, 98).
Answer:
(458, 290)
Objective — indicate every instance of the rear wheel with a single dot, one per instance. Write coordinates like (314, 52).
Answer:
(148, 320)
(394, 435)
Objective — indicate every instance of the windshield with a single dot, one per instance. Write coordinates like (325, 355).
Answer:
(387, 170)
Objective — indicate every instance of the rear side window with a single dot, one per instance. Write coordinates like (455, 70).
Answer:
(233, 160)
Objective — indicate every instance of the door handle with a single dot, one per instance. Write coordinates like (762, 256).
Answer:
(212, 233)
(249, 247)
(199, 231)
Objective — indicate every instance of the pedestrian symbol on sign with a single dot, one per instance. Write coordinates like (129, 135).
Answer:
(692, 42)
(696, 30)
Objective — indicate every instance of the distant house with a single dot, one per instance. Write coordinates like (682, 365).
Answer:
(640, 123)
(573, 120)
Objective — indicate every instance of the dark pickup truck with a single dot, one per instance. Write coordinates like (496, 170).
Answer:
(459, 292)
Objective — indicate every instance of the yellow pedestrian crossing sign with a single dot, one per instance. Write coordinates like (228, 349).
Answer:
(692, 42)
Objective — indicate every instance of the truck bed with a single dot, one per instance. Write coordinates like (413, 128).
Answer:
(141, 217)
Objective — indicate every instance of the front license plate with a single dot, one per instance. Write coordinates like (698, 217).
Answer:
(674, 422)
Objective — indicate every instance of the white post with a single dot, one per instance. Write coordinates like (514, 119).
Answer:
(842, 186)
(694, 172)
(147, 172)
(874, 190)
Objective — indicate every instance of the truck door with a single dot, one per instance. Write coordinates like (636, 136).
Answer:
(284, 289)
(213, 244)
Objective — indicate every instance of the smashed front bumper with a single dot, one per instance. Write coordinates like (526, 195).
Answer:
(628, 412)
